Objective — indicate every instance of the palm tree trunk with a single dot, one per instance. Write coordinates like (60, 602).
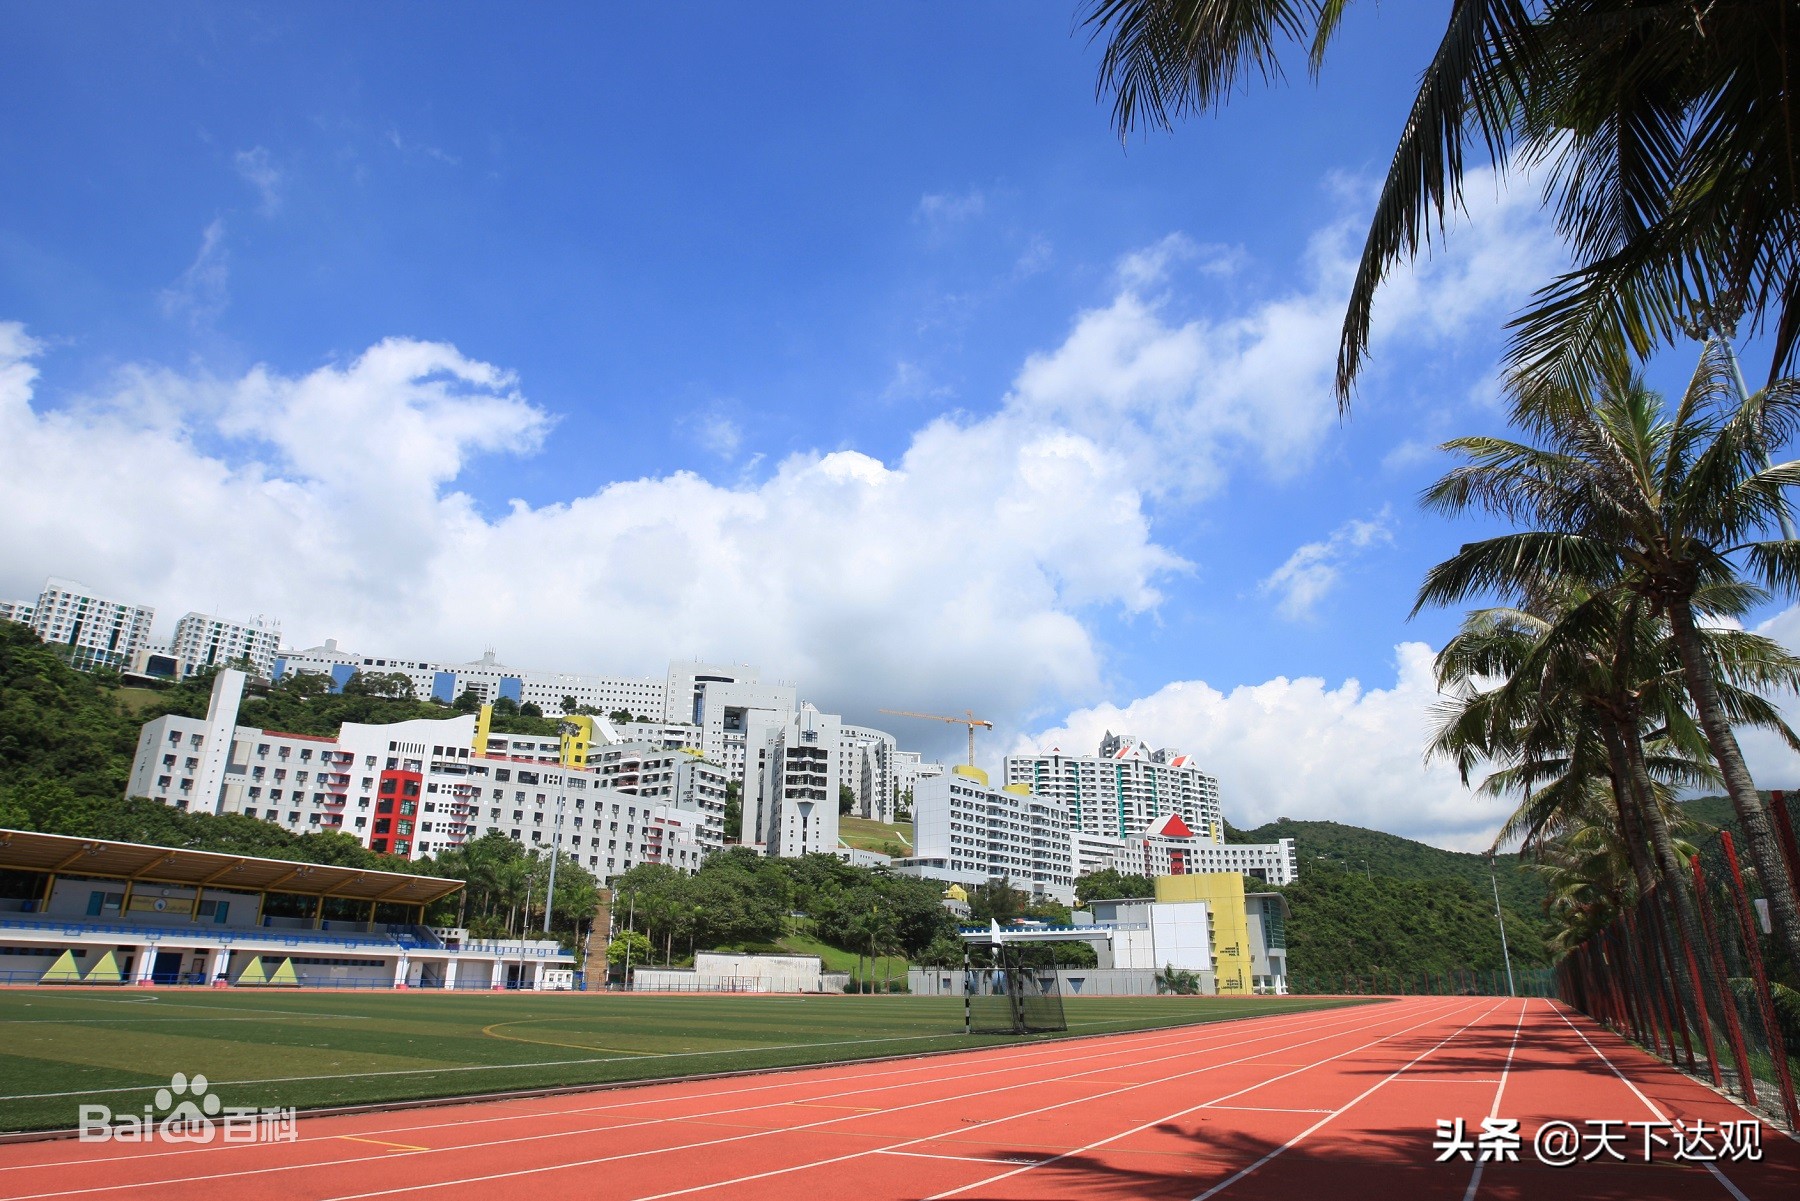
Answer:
(1675, 879)
(1753, 816)
(1624, 793)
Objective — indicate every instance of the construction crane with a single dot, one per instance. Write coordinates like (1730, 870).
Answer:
(968, 719)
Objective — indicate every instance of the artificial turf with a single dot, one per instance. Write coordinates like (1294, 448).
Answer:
(60, 1049)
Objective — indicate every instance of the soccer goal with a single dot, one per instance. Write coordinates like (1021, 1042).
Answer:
(1011, 988)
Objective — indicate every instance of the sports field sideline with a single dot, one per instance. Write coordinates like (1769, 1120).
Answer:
(1339, 1103)
(62, 1048)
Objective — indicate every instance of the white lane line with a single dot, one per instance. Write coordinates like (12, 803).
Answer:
(1494, 1112)
(1110, 1053)
(1097, 1143)
(911, 1142)
(1655, 1111)
(1216, 1189)
(957, 1158)
(963, 1130)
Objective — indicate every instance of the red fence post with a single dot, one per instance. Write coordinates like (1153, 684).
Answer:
(1733, 1032)
(1777, 1047)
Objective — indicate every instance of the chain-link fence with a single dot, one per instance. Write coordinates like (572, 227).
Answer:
(1455, 982)
(1696, 975)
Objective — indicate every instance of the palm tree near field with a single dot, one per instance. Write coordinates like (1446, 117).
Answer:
(1664, 506)
(1668, 130)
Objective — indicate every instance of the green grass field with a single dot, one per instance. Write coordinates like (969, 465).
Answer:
(311, 1049)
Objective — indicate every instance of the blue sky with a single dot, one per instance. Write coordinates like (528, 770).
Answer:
(847, 340)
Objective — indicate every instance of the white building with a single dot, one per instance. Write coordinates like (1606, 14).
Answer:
(909, 769)
(1169, 848)
(866, 767)
(967, 832)
(790, 803)
(202, 640)
(725, 702)
(17, 610)
(490, 679)
(99, 632)
(422, 787)
(126, 913)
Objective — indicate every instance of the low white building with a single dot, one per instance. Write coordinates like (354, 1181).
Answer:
(967, 832)
(1169, 848)
(104, 912)
(422, 787)
(487, 677)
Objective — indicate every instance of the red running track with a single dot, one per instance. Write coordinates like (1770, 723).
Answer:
(1342, 1104)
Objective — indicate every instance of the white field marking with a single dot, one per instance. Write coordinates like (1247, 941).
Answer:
(1016, 1056)
(482, 1067)
(961, 1129)
(1264, 1109)
(1258, 1085)
(1494, 1112)
(91, 1021)
(949, 1135)
(304, 1013)
(1109, 1053)
(1736, 1193)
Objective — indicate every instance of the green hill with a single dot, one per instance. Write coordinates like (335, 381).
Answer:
(1374, 853)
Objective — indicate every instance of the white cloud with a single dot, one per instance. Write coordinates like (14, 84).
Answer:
(1313, 570)
(203, 290)
(1298, 748)
(410, 149)
(718, 434)
(258, 169)
(962, 567)
(940, 210)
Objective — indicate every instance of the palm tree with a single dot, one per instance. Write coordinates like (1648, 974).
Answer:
(1661, 505)
(1667, 126)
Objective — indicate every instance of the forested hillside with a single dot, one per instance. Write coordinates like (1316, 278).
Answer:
(1377, 854)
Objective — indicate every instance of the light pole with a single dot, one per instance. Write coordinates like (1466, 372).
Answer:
(1500, 917)
(555, 843)
(1717, 322)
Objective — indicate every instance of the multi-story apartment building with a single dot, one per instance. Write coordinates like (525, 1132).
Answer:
(17, 610)
(422, 787)
(1120, 791)
(866, 768)
(1121, 802)
(909, 769)
(966, 831)
(98, 632)
(790, 805)
(490, 679)
(202, 641)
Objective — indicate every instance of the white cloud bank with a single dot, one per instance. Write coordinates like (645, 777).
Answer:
(1302, 749)
(1313, 570)
(960, 575)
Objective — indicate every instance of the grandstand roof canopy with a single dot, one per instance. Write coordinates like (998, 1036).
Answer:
(21, 850)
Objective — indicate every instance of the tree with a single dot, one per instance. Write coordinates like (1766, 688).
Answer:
(1667, 507)
(1111, 885)
(467, 701)
(846, 800)
(505, 706)
(394, 685)
(530, 709)
(997, 901)
(620, 716)
(628, 946)
(734, 811)
(1667, 129)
